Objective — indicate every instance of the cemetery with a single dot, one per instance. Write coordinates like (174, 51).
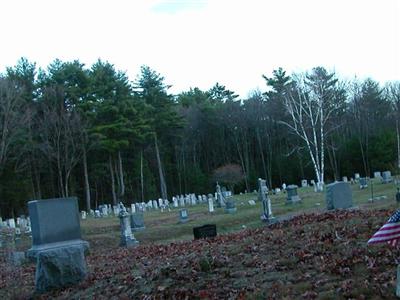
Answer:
(183, 249)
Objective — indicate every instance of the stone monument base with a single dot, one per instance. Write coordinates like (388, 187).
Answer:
(59, 267)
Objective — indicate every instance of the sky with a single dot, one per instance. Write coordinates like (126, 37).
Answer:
(198, 43)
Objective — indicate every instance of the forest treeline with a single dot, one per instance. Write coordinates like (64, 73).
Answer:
(91, 132)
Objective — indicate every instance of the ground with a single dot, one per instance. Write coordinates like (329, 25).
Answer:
(313, 254)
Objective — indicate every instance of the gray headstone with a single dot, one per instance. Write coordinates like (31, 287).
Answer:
(230, 206)
(386, 177)
(127, 238)
(137, 221)
(363, 183)
(377, 174)
(304, 183)
(183, 215)
(292, 196)
(338, 195)
(59, 267)
(54, 223)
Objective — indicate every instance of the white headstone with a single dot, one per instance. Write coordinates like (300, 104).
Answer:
(155, 204)
(283, 186)
(133, 208)
(11, 223)
(83, 215)
(344, 179)
(252, 202)
(210, 205)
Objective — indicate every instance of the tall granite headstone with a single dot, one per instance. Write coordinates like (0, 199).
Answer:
(292, 196)
(56, 243)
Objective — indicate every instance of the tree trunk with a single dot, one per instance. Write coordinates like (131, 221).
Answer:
(160, 171)
(121, 176)
(114, 195)
(141, 175)
(86, 177)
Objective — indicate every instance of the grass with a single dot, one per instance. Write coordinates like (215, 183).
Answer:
(164, 228)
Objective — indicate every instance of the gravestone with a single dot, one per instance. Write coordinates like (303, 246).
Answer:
(97, 213)
(205, 231)
(377, 175)
(127, 237)
(356, 176)
(83, 215)
(284, 186)
(312, 182)
(344, 179)
(160, 202)
(338, 195)
(386, 177)
(181, 201)
(11, 223)
(262, 189)
(133, 208)
(175, 202)
(56, 243)
(277, 190)
(304, 183)
(210, 205)
(230, 206)
(363, 183)
(219, 196)
(292, 196)
(183, 215)
(137, 221)
(266, 215)
(155, 204)
(252, 202)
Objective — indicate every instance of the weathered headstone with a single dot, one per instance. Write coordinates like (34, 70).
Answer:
(363, 183)
(386, 177)
(377, 175)
(338, 195)
(205, 231)
(304, 183)
(283, 186)
(155, 204)
(210, 205)
(11, 223)
(127, 237)
(266, 215)
(137, 221)
(230, 206)
(83, 215)
(252, 202)
(219, 196)
(56, 243)
(312, 182)
(133, 208)
(97, 214)
(292, 196)
(357, 176)
(183, 215)
(344, 179)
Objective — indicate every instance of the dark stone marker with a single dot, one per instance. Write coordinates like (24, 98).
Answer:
(56, 243)
(205, 231)
(137, 221)
(398, 195)
(55, 223)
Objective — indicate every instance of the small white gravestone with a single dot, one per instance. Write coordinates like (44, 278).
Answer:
(277, 190)
(252, 202)
(155, 204)
(181, 201)
(312, 182)
(204, 198)
(357, 176)
(18, 221)
(304, 183)
(133, 208)
(210, 205)
(283, 186)
(150, 204)
(160, 202)
(344, 179)
(175, 202)
(83, 215)
(11, 223)
(97, 213)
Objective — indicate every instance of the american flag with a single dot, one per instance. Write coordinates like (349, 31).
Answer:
(389, 232)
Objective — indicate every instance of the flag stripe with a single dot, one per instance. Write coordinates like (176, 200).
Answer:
(386, 233)
(383, 239)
